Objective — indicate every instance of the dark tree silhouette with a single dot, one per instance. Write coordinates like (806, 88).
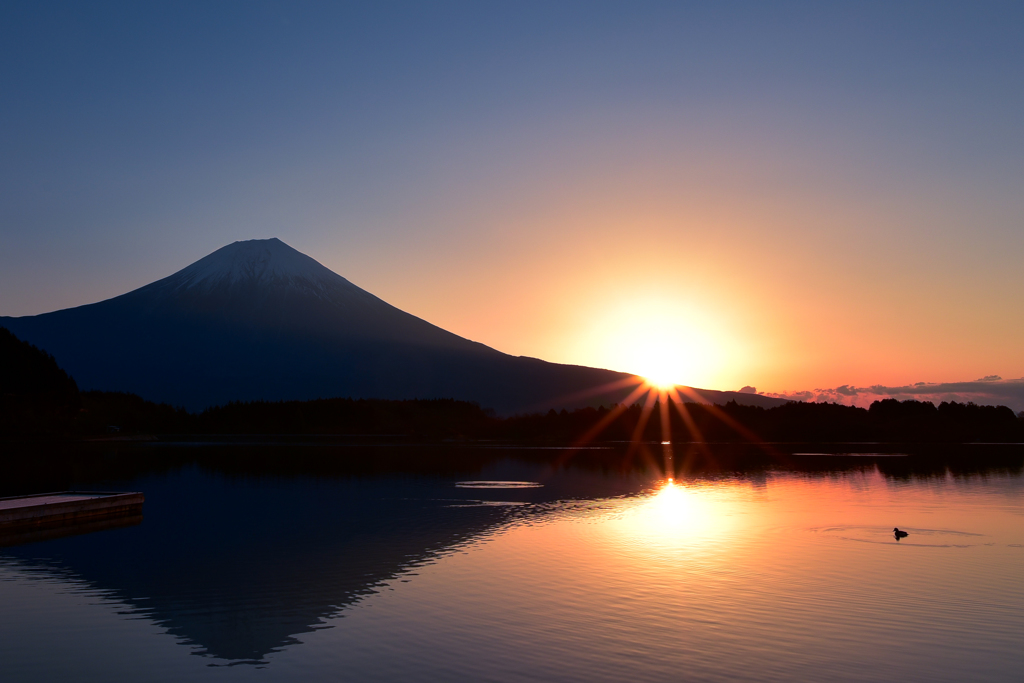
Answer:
(36, 395)
(39, 398)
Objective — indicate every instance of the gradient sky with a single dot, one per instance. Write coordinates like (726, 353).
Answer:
(785, 195)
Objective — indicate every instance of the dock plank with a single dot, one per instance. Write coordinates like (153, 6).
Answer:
(46, 499)
(65, 507)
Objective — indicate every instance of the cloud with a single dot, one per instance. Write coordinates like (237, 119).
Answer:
(990, 390)
(748, 390)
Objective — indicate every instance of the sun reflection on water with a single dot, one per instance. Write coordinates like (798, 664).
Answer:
(672, 505)
(675, 516)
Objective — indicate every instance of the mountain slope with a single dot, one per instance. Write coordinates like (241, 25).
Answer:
(260, 320)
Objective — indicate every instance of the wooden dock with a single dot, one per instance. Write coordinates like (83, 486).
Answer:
(49, 510)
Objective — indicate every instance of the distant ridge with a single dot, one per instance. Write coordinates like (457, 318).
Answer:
(259, 320)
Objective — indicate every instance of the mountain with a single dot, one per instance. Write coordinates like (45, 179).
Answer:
(259, 320)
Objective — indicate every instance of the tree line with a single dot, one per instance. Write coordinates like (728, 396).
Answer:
(39, 400)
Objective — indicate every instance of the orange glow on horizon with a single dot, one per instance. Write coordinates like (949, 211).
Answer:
(743, 273)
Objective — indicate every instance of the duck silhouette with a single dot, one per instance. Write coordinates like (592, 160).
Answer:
(899, 534)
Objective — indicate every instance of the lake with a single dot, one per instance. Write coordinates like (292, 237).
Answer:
(373, 562)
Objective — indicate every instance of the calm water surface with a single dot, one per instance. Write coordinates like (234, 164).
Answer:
(512, 569)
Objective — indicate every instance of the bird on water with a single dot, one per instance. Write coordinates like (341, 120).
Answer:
(899, 534)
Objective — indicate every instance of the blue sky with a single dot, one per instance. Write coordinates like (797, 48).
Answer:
(771, 174)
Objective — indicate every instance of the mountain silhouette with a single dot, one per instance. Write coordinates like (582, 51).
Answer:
(259, 320)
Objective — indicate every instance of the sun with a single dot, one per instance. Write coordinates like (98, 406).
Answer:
(660, 362)
(660, 381)
(666, 342)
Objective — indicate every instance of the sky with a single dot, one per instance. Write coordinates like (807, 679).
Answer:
(814, 199)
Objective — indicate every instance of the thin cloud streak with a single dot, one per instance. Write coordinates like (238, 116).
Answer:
(990, 390)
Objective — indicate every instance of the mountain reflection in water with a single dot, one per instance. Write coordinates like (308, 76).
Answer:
(239, 562)
(245, 552)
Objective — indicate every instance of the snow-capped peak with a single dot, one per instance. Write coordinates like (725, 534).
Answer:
(258, 262)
